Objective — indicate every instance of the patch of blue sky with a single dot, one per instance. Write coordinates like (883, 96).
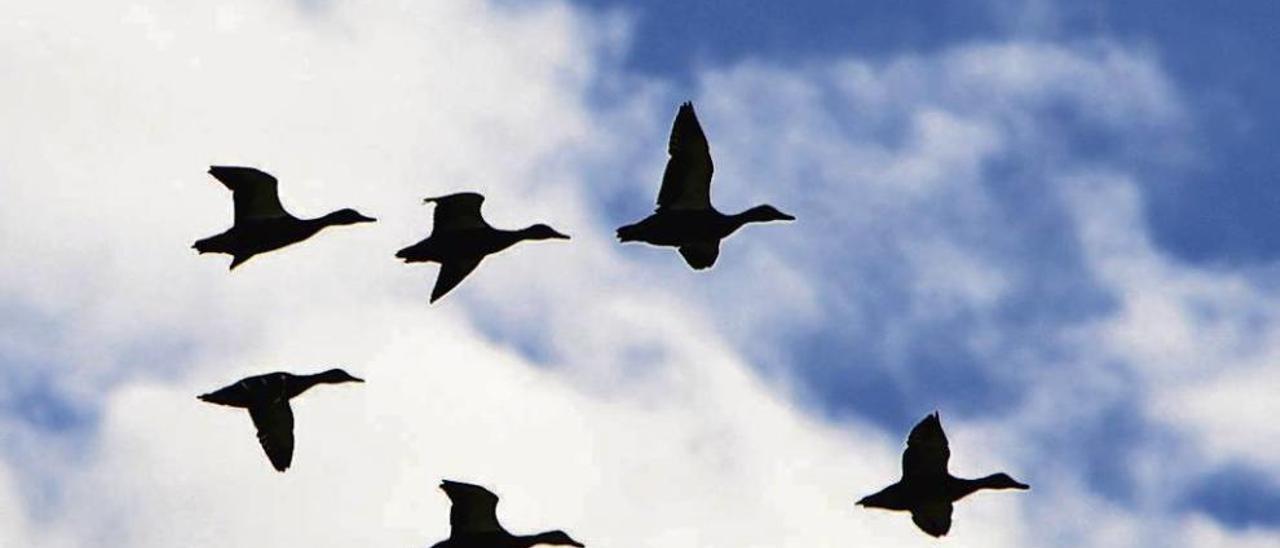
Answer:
(1239, 496)
(1216, 209)
(35, 400)
(1219, 210)
(1206, 196)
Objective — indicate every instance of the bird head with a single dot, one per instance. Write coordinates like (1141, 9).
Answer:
(347, 217)
(1003, 481)
(763, 213)
(338, 376)
(542, 232)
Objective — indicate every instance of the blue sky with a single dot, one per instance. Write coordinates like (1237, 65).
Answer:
(1214, 205)
(1050, 221)
(1216, 211)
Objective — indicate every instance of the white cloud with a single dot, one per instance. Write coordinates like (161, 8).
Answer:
(643, 424)
(1204, 340)
(370, 107)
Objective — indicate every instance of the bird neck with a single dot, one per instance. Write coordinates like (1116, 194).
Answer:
(524, 234)
(507, 238)
(737, 220)
(752, 215)
(959, 488)
(503, 239)
(301, 383)
(312, 226)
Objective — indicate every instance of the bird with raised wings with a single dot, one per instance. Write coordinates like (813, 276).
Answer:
(267, 399)
(261, 222)
(685, 218)
(461, 238)
(927, 489)
(473, 522)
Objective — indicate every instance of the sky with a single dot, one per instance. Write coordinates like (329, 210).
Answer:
(1049, 221)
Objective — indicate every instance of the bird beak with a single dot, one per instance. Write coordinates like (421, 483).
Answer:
(560, 236)
(365, 219)
(786, 217)
(1022, 486)
(356, 379)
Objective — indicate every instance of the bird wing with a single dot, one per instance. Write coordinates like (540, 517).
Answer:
(701, 255)
(686, 183)
(253, 190)
(275, 431)
(474, 509)
(451, 274)
(458, 211)
(927, 452)
(933, 518)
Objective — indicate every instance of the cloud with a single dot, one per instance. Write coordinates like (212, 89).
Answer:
(369, 108)
(961, 243)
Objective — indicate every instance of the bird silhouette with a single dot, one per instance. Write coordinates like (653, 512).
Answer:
(261, 223)
(927, 489)
(685, 218)
(267, 399)
(473, 522)
(460, 239)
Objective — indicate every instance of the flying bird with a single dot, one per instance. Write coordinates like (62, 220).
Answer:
(473, 522)
(685, 218)
(261, 223)
(267, 399)
(461, 238)
(927, 489)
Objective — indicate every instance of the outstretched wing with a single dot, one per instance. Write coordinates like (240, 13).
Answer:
(933, 518)
(686, 183)
(474, 509)
(927, 452)
(253, 190)
(459, 211)
(275, 431)
(701, 255)
(451, 274)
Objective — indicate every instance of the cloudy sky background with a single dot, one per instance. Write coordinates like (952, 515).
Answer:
(1052, 222)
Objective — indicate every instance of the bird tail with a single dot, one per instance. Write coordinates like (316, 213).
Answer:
(202, 246)
(220, 243)
(417, 253)
(628, 233)
(225, 396)
(209, 398)
(406, 255)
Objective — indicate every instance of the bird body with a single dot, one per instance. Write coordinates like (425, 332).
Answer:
(473, 522)
(267, 399)
(470, 243)
(503, 540)
(678, 227)
(261, 222)
(685, 218)
(461, 238)
(927, 489)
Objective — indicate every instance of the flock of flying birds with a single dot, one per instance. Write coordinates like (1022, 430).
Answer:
(460, 239)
